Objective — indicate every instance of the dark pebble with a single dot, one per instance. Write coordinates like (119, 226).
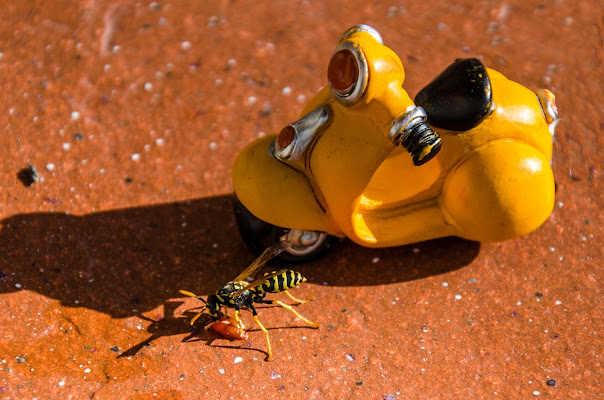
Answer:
(551, 382)
(28, 176)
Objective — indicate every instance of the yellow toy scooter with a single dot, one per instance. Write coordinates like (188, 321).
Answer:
(363, 161)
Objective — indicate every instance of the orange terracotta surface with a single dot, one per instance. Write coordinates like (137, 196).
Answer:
(132, 114)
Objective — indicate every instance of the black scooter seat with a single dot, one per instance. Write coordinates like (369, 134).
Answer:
(459, 98)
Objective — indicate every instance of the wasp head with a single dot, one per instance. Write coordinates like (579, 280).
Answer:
(213, 305)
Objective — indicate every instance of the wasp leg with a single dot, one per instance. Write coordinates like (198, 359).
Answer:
(290, 308)
(195, 317)
(268, 341)
(240, 326)
(291, 296)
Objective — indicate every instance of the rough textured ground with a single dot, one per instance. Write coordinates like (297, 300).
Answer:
(132, 114)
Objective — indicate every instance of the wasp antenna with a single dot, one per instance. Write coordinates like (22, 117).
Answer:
(192, 295)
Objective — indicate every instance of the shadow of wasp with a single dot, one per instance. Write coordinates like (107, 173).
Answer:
(239, 294)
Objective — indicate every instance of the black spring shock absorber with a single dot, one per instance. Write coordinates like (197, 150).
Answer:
(411, 131)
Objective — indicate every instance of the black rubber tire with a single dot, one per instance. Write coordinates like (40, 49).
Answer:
(258, 235)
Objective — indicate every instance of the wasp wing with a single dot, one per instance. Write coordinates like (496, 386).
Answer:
(262, 259)
(259, 282)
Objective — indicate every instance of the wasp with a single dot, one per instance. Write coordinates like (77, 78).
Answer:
(240, 294)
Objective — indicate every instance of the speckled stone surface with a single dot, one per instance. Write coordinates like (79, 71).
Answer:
(132, 114)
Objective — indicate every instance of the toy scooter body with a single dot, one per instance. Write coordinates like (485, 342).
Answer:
(339, 169)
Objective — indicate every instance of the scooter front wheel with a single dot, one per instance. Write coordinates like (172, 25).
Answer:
(259, 234)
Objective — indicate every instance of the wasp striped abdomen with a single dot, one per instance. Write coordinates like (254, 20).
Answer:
(281, 282)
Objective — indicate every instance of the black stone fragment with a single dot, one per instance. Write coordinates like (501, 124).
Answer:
(28, 176)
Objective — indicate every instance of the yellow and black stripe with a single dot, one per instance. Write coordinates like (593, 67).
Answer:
(281, 281)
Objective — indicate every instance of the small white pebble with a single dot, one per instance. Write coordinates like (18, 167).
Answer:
(231, 63)
(66, 146)
(536, 393)
(221, 370)
(416, 250)
(116, 49)
(213, 146)
(186, 45)
(519, 303)
(552, 249)
(136, 157)
(18, 285)
(375, 260)
(457, 297)
(237, 360)
(75, 115)
(350, 357)
(107, 67)
(218, 82)
(445, 284)
(159, 142)
(560, 204)
(583, 238)
(87, 370)
(286, 91)
(558, 302)
(148, 87)
(50, 166)
(301, 98)
(61, 384)
(11, 111)
(251, 100)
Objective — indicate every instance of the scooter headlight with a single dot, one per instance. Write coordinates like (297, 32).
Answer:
(347, 73)
(284, 144)
(295, 138)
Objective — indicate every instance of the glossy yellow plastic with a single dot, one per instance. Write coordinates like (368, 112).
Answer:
(491, 183)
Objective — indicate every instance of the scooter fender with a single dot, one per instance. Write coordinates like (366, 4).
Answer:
(277, 193)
